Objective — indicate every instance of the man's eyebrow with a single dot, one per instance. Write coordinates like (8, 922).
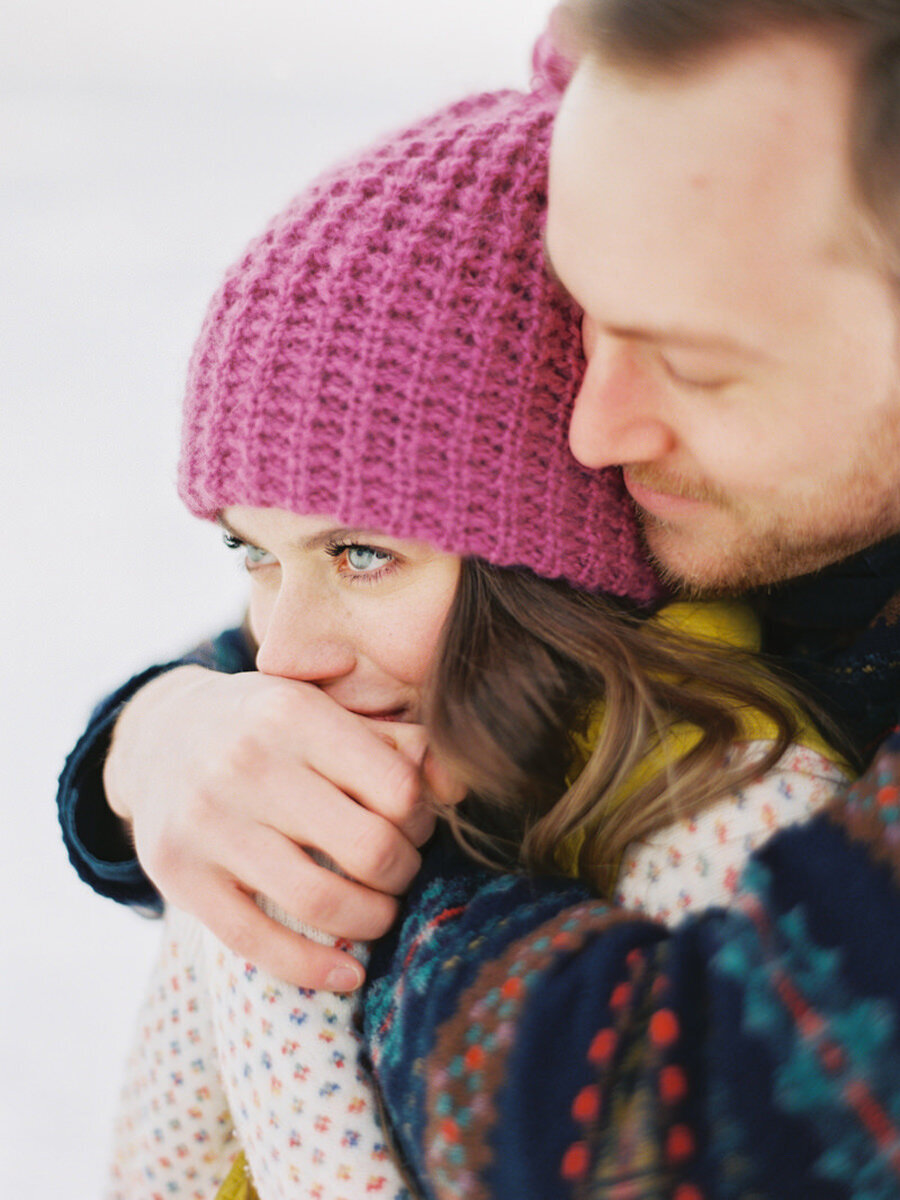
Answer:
(315, 541)
(673, 335)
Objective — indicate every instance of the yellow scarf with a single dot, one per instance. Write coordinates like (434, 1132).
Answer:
(727, 623)
(238, 1184)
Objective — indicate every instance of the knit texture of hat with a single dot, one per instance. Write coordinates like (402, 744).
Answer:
(392, 353)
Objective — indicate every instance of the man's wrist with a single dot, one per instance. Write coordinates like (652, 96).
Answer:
(132, 720)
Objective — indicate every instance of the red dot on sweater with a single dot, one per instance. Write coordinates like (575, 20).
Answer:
(449, 1130)
(687, 1191)
(672, 1085)
(475, 1058)
(635, 958)
(620, 997)
(576, 1161)
(888, 795)
(664, 1028)
(833, 1057)
(679, 1144)
(512, 989)
(603, 1047)
(811, 1024)
(586, 1105)
(563, 941)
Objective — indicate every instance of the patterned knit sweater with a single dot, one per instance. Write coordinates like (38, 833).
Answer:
(532, 1042)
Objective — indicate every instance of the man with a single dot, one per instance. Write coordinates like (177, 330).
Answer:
(721, 212)
(722, 200)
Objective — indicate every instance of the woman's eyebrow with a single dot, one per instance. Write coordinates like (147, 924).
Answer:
(230, 529)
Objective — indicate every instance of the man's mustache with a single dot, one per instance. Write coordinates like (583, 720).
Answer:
(657, 480)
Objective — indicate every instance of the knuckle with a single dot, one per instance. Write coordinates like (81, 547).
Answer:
(275, 704)
(201, 808)
(421, 825)
(402, 785)
(245, 756)
(414, 741)
(163, 858)
(381, 915)
(320, 907)
(381, 856)
(239, 933)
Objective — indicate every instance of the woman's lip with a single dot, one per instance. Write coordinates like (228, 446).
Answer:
(660, 504)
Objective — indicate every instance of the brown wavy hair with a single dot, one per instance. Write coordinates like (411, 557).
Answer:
(523, 664)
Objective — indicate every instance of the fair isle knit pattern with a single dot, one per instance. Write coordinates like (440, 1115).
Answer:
(697, 862)
(392, 352)
(228, 1058)
(174, 1136)
(303, 1105)
(560, 1047)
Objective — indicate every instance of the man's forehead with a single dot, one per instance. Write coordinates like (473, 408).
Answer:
(730, 173)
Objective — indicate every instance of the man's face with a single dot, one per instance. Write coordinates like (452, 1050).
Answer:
(742, 344)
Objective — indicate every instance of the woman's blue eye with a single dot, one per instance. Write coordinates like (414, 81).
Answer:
(254, 555)
(364, 558)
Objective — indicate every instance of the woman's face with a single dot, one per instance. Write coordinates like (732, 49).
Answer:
(355, 612)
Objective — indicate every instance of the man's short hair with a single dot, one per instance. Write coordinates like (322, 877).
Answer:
(674, 36)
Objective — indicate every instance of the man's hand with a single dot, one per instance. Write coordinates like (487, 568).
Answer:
(228, 780)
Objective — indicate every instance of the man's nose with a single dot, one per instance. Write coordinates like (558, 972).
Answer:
(303, 639)
(616, 420)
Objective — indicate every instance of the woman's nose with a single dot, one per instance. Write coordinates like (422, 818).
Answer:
(302, 637)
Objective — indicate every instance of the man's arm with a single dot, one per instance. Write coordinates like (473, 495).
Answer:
(100, 847)
(530, 1041)
(239, 783)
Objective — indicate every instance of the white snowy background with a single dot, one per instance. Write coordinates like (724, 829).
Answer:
(141, 145)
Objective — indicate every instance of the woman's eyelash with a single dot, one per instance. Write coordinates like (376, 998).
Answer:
(253, 556)
(336, 548)
(380, 563)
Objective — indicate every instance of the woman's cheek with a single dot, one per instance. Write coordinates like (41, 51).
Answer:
(413, 638)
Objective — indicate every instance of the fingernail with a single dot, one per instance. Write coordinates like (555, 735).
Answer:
(343, 979)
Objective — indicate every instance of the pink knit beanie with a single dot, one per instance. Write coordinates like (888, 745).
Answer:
(392, 353)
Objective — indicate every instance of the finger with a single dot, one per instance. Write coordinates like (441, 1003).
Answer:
(310, 892)
(441, 782)
(317, 814)
(412, 741)
(238, 922)
(353, 756)
(419, 826)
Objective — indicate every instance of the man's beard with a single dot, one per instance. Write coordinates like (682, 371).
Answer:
(753, 558)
